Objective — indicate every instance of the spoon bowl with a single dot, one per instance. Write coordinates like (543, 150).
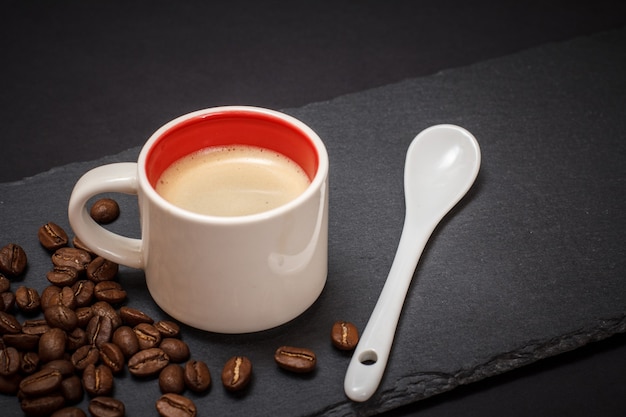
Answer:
(441, 165)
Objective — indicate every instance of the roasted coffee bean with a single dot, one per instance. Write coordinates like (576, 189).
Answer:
(109, 291)
(176, 349)
(76, 338)
(67, 298)
(147, 335)
(61, 316)
(62, 276)
(69, 412)
(13, 260)
(65, 366)
(29, 362)
(52, 236)
(175, 405)
(42, 406)
(9, 360)
(22, 341)
(83, 292)
(98, 380)
(197, 376)
(100, 269)
(76, 258)
(172, 379)
(50, 296)
(111, 355)
(52, 345)
(104, 309)
(41, 382)
(8, 301)
(27, 299)
(72, 389)
(53, 295)
(126, 339)
(83, 314)
(85, 356)
(148, 362)
(132, 317)
(106, 407)
(35, 327)
(237, 373)
(295, 359)
(9, 385)
(344, 335)
(105, 210)
(9, 324)
(99, 330)
(168, 328)
(5, 284)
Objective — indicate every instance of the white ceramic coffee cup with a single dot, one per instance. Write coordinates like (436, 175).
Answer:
(221, 274)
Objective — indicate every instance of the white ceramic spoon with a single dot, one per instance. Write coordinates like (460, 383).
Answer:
(441, 165)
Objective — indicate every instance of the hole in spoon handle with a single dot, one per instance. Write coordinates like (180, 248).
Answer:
(369, 359)
(364, 375)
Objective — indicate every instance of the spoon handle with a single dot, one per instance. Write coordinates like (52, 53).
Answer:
(369, 360)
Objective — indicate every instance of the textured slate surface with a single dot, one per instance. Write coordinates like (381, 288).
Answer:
(530, 264)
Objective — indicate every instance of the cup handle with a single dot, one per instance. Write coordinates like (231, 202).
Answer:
(121, 178)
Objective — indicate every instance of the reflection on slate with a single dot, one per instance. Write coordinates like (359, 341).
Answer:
(530, 264)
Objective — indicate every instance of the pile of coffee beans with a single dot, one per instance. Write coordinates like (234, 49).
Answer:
(85, 337)
(79, 335)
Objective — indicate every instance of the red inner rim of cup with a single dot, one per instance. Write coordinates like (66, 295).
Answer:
(234, 127)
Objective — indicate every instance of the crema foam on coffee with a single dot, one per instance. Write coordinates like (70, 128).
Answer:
(236, 180)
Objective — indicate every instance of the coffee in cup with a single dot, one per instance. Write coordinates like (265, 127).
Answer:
(234, 180)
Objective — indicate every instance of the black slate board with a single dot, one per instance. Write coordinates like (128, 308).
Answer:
(530, 264)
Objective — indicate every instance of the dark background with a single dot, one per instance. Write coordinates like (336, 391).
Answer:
(71, 69)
